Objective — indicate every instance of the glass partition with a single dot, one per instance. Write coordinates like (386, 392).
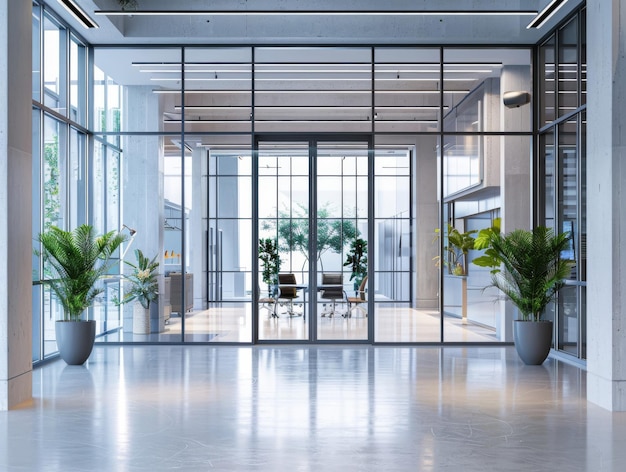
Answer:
(228, 244)
(358, 149)
(476, 83)
(137, 89)
(406, 90)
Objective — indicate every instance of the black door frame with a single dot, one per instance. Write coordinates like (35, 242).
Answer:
(313, 139)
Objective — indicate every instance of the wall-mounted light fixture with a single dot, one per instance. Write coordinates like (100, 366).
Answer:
(78, 13)
(545, 14)
(132, 233)
(515, 99)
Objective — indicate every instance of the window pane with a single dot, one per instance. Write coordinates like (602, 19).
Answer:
(78, 82)
(546, 156)
(568, 68)
(36, 56)
(568, 194)
(54, 174)
(132, 87)
(462, 156)
(55, 66)
(78, 178)
(547, 81)
(583, 58)
(406, 89)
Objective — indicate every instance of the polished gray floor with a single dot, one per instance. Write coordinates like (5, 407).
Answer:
(300, 408)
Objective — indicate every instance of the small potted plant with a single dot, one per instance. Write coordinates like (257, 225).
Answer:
(74, 261)
(527, 266)
(457, 249)
(144, 289)
(356, 259)
(270, 261)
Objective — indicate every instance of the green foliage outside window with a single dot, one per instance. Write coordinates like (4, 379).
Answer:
(51, 184)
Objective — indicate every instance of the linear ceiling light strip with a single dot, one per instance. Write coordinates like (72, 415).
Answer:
(305, 92)
(293, 121)
(544, 15)
(78, 13)
(316, 12)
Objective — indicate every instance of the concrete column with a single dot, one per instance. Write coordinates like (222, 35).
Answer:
(142, 204)
(426, 220)
(606, 184)
(197, 231)
(15, 203)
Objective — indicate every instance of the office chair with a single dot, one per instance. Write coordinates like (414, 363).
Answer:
(358, 300)
(332, 289)
(287, 293)
(268, 303)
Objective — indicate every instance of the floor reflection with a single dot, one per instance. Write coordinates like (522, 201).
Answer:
(310, 408)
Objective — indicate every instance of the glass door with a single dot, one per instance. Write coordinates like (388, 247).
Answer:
(283, 228)
(341, 243)
(312, 231)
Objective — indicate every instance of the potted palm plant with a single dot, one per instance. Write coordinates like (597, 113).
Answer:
(144, 289)
(528, 268)
(74, 261)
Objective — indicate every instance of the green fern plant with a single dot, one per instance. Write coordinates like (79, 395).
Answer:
(144, 284)
(76, 260)
(531, 270)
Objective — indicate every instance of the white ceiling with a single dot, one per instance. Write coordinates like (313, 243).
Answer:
(247, 29)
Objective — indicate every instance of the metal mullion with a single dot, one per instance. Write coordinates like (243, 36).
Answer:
(579, 217)
(254, 147)
(442, 293)
(371, 222)
(42, 290)
(312, 240)
(183, 233)
(371, 247)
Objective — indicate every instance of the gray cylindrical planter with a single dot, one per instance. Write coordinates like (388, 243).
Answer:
(75, 340)
(533, 340)
(141, 319)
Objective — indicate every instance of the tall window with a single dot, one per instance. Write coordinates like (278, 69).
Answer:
(62, 172)
(562, 164)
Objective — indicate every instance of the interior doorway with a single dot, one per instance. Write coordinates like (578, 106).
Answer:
(313, 201)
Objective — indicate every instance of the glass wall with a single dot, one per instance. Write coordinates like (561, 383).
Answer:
(200, 153)
(562, 174)
(60, 156)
